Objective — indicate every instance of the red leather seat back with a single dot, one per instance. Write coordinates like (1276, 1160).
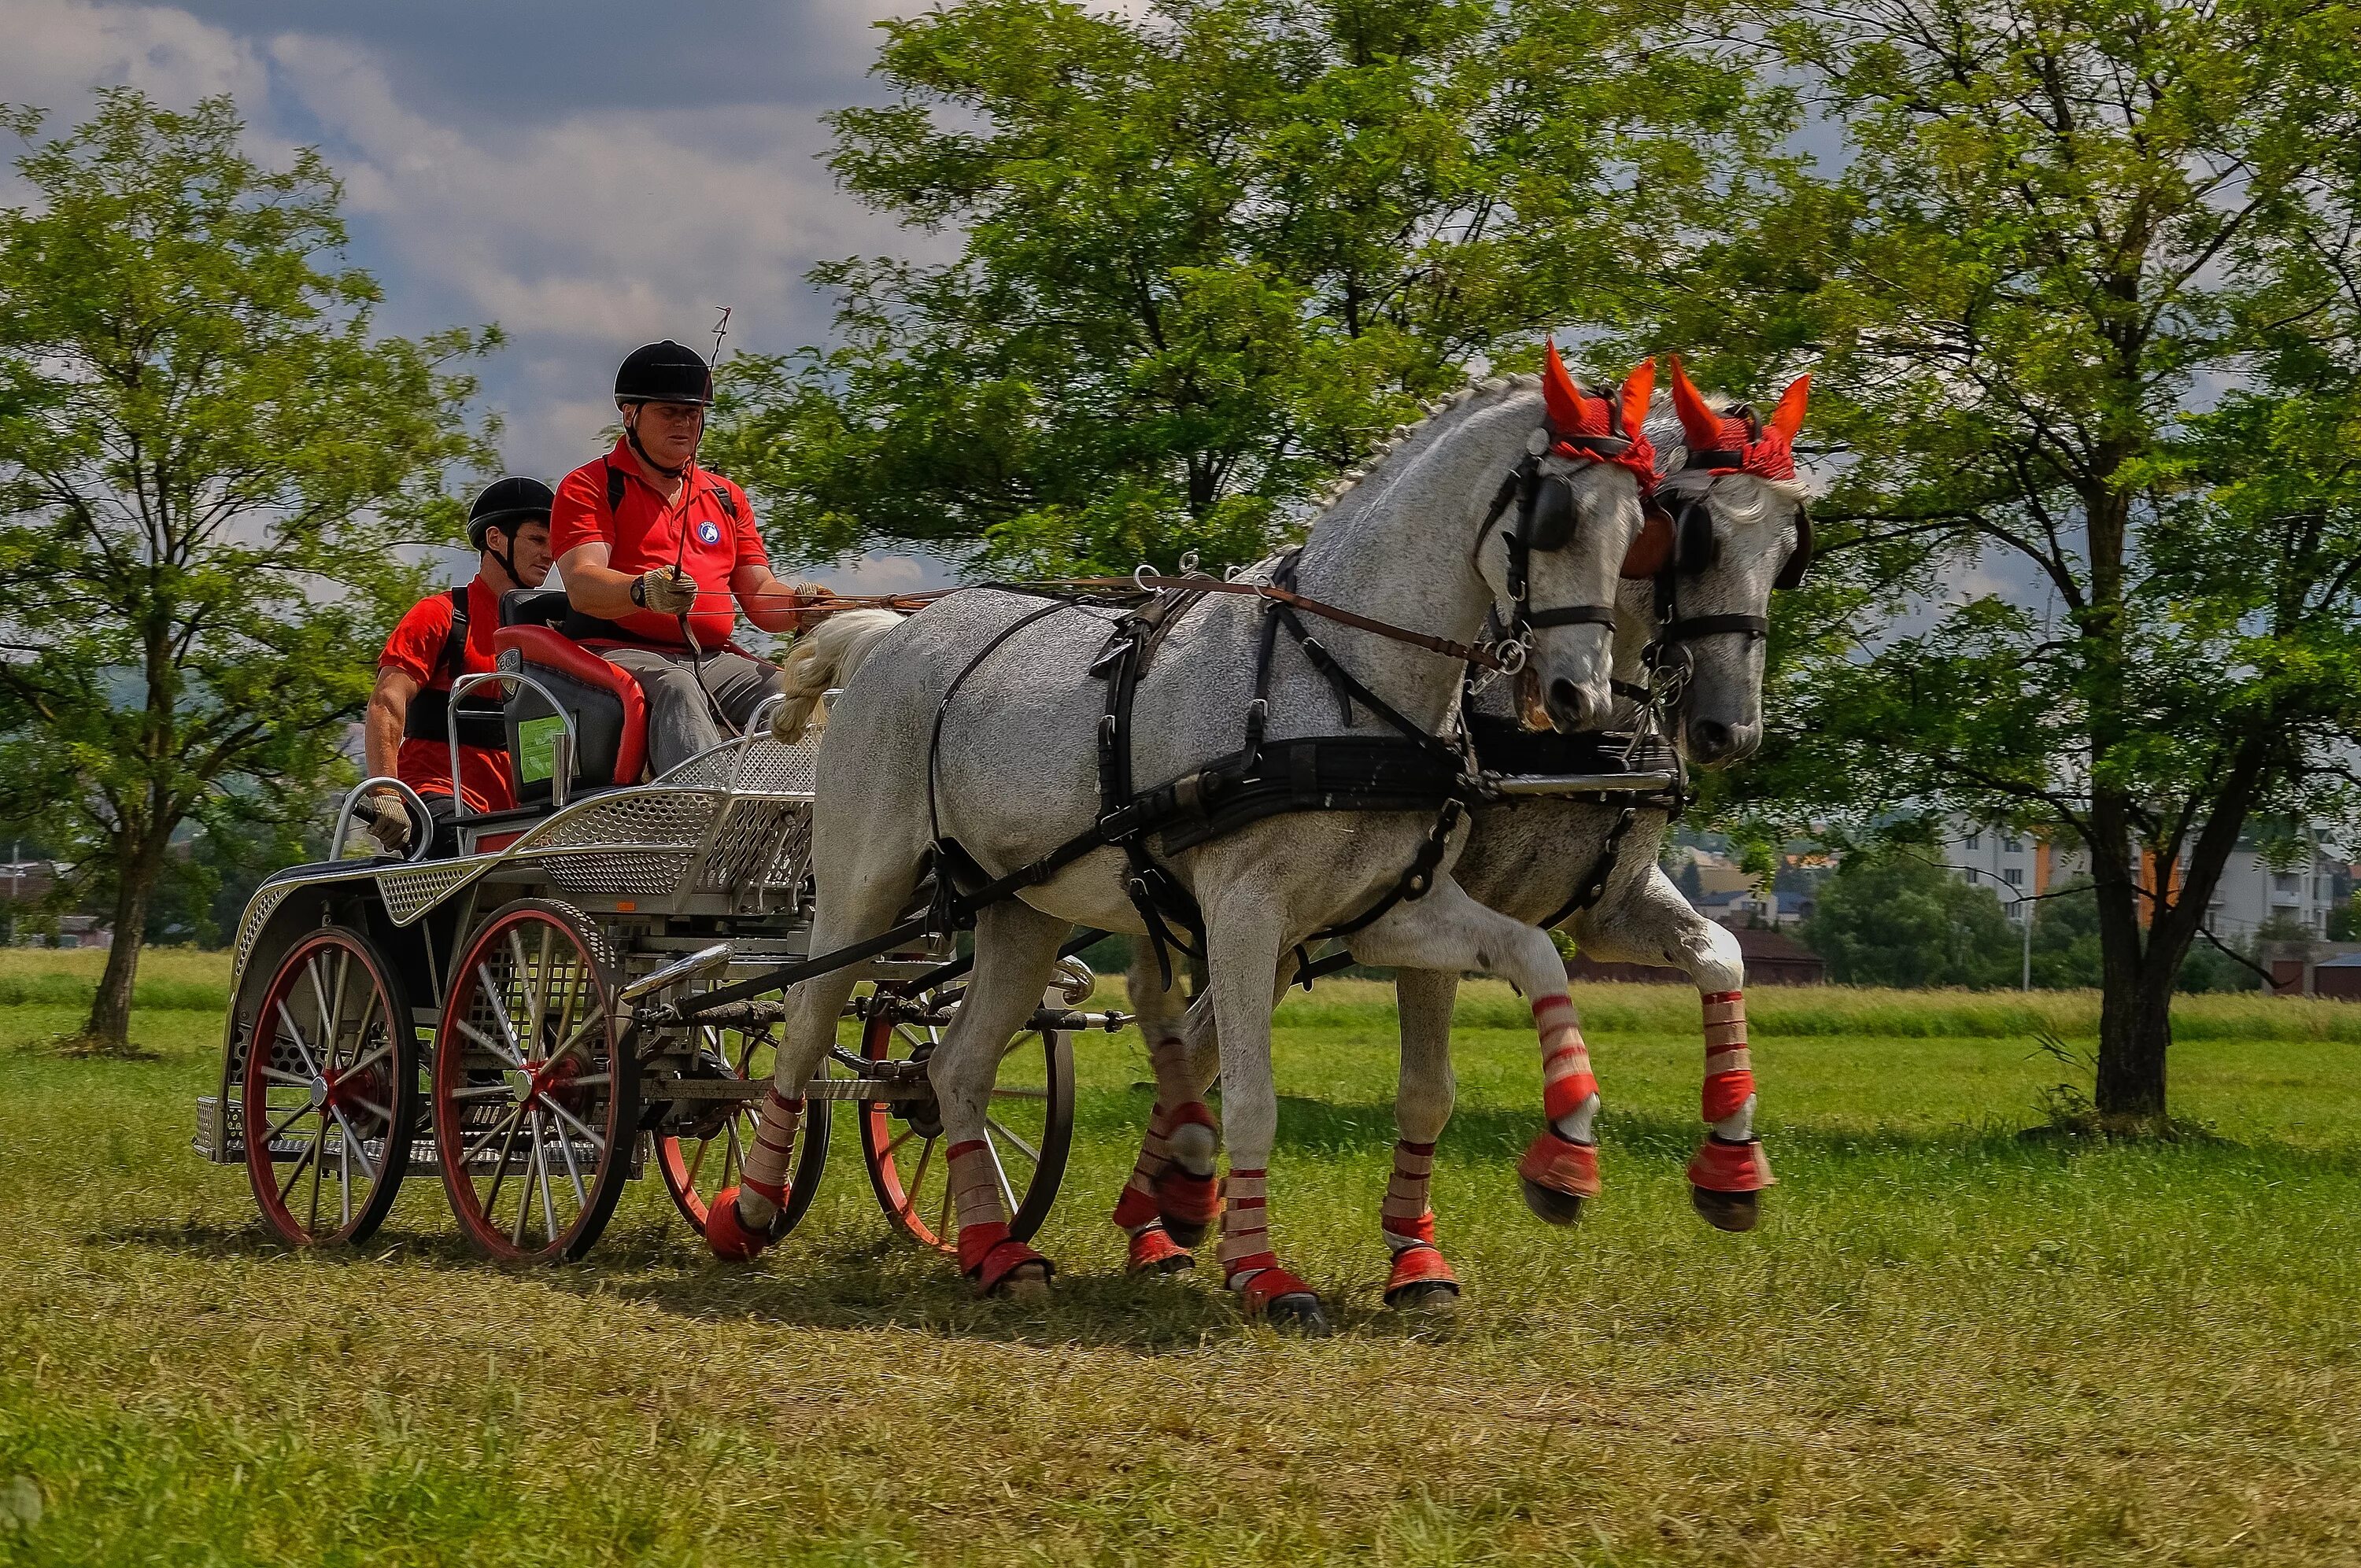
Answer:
(610, 713)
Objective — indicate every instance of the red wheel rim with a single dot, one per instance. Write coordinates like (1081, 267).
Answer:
(323, 1093)
(694, 1168)
(910, 1167)
(527, 1123)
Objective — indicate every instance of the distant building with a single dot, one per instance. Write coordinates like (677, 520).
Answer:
(2019, 867)
(1772, 958)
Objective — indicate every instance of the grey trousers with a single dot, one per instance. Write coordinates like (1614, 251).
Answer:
(680, 718)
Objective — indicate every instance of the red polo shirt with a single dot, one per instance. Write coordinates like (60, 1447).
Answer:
(486, 778)
(642, 532)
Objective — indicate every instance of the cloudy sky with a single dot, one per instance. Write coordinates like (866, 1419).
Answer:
(589, 176)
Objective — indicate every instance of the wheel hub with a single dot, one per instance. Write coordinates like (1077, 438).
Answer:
(323, 1091)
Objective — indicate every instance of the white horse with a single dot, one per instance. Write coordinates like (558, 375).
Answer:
(968, 739)
(1739, 531)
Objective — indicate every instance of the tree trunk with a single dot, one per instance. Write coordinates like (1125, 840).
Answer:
(2135, 1036)
(109, 1029)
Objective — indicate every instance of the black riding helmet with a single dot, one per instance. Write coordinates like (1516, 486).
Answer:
(664, 372)
(505, 503)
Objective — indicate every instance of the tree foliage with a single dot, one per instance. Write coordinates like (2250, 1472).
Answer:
(2082, 290)
(208, 459)
(1209, 255)
(1899, 920)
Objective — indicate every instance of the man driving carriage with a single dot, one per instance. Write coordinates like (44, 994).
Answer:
(653, 547)
(443, 637)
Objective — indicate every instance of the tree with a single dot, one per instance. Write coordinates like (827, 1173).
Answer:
(207, 460)
(1899, 920)
(1209, 257)
(2082, 293)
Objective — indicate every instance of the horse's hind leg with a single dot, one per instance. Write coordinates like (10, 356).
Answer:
(1450, 931)
(1016, 953)
(1655, 924)
(1171, 1197)
(864, 899)
(1422, 1280)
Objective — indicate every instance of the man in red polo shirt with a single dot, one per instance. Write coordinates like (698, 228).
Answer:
(652, 548)
(443, 637)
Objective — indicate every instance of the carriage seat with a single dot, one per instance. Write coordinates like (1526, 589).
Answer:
(610, 713)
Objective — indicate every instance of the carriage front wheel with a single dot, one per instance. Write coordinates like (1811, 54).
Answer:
(1029, 1127)
(535, 1100)
(329, 1091)
(698, 1160)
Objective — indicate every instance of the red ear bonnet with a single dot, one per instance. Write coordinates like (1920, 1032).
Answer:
(1768, 451)
(1575, 414)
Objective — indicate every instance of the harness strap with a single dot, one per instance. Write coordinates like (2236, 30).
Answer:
(1689, 628)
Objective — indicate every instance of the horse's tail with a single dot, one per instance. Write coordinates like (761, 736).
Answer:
(825, 658)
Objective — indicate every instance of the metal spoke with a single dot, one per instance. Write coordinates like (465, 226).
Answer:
(903, 1137)
(574, 985)
(540, 1164)
(1030, 1152)
(320, 1164)
(383, 1112)
(500, 1163)
(489, 1043)
(292, 1080)
(596, 1142)
(345, 1178)
(524, 1200)
(943, 1221)
(326, 1015)
(697, 1163)
(479, 1091)
(371, 1060)
(501, 1010)
(581, 1033)
(296, 1175)
(522, 968)
(733, 1152)
(573, 1171)
(295, 1034)
(352, 1142)
(336, 1024)
(918, 1177)
(1000, 1175)
(468, 1157)
(272, 1136)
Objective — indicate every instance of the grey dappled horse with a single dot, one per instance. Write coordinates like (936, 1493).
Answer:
(1529, 857)
(1014, 775)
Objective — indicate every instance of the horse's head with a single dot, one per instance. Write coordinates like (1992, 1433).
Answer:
(1570, 530)
(1739, 531)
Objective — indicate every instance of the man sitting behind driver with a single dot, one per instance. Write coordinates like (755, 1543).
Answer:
(619, 525)
(443, 637)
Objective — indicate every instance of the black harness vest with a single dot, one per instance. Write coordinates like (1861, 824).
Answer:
(481, 723)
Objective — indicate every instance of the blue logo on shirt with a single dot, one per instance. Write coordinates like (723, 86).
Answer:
(709, 532)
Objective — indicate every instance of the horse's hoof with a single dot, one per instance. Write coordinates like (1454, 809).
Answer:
(1547, 1204)
(1153, 1252)
(1185, 1233)
(1431, 1298)
(1298, 1312)
(1028, 1282)
(1728, 1210)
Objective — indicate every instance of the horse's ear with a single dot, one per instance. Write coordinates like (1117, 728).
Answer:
(1788, 417)
(1700, 423)
(1561, 398)
(1639, 387)
(1652, 548)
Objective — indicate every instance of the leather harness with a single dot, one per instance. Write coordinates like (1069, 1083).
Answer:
(481, 721)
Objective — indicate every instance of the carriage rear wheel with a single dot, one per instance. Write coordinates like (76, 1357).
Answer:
(535, 1100)
(696, 1166)
(330, 1090)
(1029, 1127)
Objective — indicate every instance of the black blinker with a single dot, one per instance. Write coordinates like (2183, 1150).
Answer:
(1790, 574)
(1550, 524)
(1698, 544)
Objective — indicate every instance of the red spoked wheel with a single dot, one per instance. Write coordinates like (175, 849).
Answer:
(1029, 1129)
(534, 1098)
(700, 1159)
(330, 1090)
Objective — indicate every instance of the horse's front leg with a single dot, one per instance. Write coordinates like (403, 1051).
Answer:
(1171, 1197)
(1421, 1281)
(1655, 924)
(1447, 930)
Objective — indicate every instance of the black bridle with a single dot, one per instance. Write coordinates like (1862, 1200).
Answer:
(1545, 520)
(1695, 548)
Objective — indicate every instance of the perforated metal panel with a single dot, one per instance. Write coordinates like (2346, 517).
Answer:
(781, 769)
(650, 816)
(259, 911)
(414, 890)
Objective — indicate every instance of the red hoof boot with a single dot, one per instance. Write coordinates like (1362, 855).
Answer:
(1153, 1252)
(1000, 1264)
(1283, 1301)
(731, 1237)
(1188, 1205)
(1558, 1176)
(1422, 1282)
(1726, 1183)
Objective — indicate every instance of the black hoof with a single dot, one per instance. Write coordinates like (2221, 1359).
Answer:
(1025, 1282)
(1184, 1232)
(1428, 1296)
(1728, 1210)
(1557, 1208)
(1297, 1313)
(1171, 1263)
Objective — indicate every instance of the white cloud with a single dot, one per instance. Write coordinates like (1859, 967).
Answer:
(58, 51)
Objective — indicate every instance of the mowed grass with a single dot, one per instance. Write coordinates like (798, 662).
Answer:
(1947, 1343)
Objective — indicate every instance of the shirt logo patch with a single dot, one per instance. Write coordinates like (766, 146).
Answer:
(709, 532)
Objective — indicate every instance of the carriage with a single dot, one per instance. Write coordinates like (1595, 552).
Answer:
(505, 1013)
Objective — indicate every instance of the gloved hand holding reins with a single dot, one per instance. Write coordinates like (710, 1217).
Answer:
(667, 590)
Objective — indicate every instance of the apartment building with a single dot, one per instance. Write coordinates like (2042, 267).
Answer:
(2019, 867)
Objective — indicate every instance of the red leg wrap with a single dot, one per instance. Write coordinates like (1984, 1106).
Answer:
(1182, 1198)
(1420, 1266)
(1270, 1283)
(1731, 1167)
(729, 1237)
(1153, 1252)
(1566, 1078)
(1135, 1209)
(987, 1254)
(1572, 1168)
(1136, 1206)
(1729, 1065)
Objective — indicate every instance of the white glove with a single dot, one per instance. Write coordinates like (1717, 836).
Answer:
(390, 826)
(664, 589)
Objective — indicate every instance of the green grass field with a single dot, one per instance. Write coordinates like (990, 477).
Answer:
(1947, 1343)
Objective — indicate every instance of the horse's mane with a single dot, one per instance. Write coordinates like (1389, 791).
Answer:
(1405, 441)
